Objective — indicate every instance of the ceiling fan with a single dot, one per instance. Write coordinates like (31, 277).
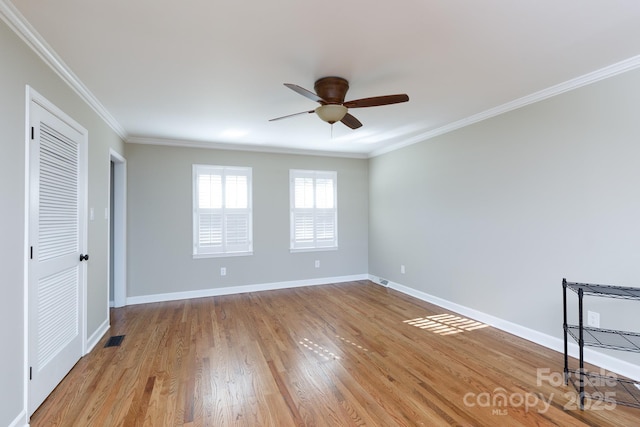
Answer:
(330, 93)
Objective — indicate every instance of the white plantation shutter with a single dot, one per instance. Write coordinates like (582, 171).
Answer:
(314, 213)
(222, 220)
(209, 231)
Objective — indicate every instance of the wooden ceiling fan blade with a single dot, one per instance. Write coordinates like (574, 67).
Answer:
(292, 115)
(306, 93)
(351, 121)
(377, 100)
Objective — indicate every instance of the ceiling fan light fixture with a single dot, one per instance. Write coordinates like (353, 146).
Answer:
(331, 113)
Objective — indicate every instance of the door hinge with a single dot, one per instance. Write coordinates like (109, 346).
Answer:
(32, 133)
(30, 372)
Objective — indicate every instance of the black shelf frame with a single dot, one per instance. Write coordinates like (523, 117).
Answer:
(601, 338)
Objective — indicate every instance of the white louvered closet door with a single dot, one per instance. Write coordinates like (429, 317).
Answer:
(56, 239)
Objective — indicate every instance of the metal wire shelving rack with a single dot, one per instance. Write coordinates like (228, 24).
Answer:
(608, 388)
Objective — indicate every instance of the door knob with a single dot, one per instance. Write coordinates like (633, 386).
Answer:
(84, 257)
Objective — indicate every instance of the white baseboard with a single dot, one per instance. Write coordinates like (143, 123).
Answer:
(21, 420)
(173, 296)
(96, 336)
(609, 363)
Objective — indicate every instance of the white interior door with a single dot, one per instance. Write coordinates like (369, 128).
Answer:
(57, 239)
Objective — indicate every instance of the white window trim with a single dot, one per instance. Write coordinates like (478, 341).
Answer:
(198, 253)
(316, 246)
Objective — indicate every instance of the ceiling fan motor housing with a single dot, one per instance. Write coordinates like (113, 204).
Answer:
(332, 89)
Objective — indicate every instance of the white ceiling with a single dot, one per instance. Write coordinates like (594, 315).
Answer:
(212, 71)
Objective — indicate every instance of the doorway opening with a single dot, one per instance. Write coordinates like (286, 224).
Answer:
(117, 230)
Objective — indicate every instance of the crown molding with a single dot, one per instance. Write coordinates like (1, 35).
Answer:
(241, 147)
(14, 19)
(584, 80)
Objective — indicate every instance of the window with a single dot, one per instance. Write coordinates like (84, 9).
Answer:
(222, 218)
(314, 212)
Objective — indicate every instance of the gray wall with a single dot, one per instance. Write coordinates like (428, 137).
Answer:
(159, 223)
(20, 67)
(494, 215)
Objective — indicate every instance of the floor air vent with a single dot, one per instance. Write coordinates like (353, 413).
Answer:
(114, 341)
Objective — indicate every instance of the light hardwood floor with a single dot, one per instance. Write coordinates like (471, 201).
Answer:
(332, 355)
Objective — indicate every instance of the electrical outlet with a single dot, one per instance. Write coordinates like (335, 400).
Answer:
(92, 214)
(593, 319)
(223, 271)
(317, 263)
(402, 269)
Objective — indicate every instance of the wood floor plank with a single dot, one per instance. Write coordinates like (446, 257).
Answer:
(349, 354)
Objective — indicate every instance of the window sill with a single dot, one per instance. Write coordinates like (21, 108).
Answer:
(222, 255)
(333, 248)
